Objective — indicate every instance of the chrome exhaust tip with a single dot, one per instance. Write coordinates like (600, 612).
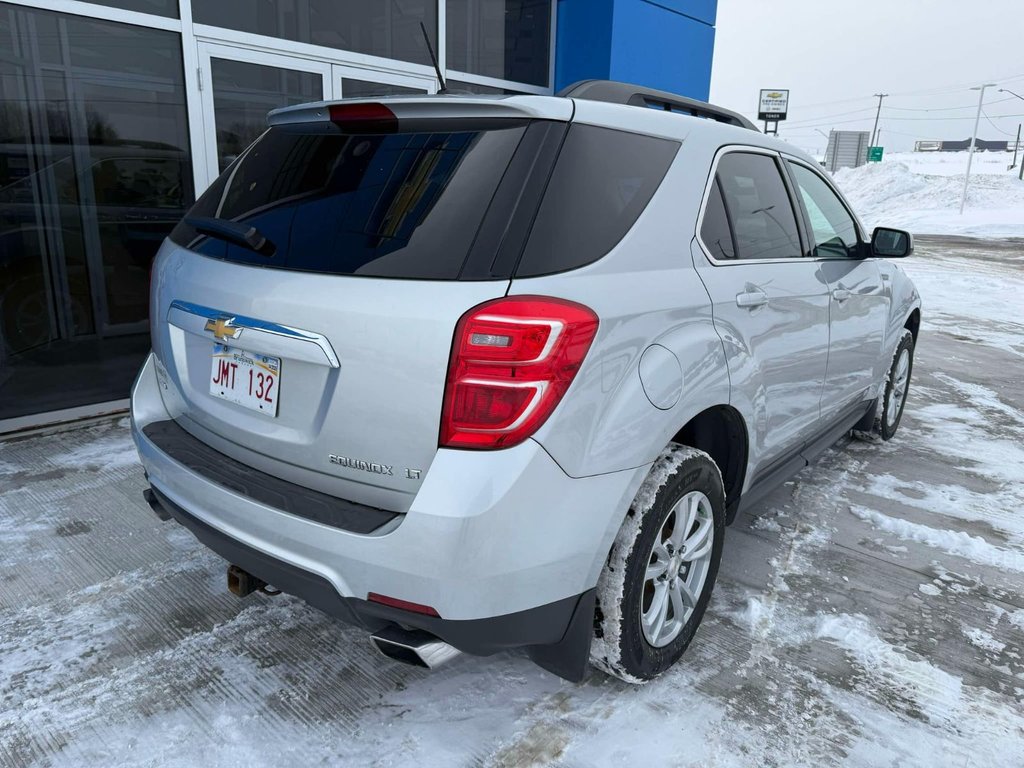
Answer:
(413, 646)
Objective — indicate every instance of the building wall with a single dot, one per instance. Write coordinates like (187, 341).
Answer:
(666, 44)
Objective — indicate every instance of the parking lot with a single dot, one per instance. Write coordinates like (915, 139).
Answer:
(870, 613)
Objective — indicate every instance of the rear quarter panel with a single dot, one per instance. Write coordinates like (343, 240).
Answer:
(645, 292)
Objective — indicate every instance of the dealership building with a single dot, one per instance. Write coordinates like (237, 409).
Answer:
(113, 115)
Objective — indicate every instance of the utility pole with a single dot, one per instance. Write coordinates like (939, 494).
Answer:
(1021, 176)
(974, 138)
(878, 114)
(1016, 147)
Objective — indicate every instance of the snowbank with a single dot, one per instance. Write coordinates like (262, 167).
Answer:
(920, 191)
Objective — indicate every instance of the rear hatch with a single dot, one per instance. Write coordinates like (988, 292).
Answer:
(304, 308)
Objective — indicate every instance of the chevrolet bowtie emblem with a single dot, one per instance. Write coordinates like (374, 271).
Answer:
(222, 328)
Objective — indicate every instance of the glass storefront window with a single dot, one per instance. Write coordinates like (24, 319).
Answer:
(361, 89)
(244, 93)
(390, 29)
(168, 8)
(507, 39)
(95, 170)
(483, 90)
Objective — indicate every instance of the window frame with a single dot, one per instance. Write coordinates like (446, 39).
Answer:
(806, 233)
(787, 182)
(862, 241)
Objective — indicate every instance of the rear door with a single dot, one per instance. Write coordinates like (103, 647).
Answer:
(858, 305)
(770, 302)
(320, 355)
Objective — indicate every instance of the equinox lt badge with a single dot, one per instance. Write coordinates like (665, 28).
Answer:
(366, 466)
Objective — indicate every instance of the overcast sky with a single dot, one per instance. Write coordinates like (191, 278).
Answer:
(833, 55)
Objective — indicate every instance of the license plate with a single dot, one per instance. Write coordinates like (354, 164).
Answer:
(246, 378)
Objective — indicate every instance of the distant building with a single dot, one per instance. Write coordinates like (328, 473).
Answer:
(980, 145)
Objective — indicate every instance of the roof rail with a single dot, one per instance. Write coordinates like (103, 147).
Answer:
(639, 96)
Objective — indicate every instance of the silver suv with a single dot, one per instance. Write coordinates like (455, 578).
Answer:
(487, 373)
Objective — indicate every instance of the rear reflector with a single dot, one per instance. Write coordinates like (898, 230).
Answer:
(512, 361)
(363, 117)
(404, 605)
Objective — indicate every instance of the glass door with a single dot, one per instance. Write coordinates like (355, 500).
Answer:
(358, 83)
(241, 86)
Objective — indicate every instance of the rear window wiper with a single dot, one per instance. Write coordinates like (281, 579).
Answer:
(235, 232)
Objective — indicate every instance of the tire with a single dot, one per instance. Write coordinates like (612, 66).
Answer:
(683, 480)
(894, 395)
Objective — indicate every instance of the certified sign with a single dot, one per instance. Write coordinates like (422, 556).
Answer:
(773, 104)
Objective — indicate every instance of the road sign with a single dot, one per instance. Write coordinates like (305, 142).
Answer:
(773, 104)
(875, 154)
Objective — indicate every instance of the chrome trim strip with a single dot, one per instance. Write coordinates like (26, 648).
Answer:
(276, 329)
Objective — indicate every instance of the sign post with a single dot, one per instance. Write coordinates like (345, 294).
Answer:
(875, 154)
(772, 107)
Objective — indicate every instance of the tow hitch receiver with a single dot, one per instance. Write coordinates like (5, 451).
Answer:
(243, 583)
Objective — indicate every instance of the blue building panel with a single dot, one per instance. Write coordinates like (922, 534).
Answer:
(666, 44)
(699, 10)
(583, 50)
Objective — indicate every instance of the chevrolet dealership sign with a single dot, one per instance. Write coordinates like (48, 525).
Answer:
(773, 104)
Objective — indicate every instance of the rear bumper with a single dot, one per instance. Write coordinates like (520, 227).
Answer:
(490, 535)
(553, 633)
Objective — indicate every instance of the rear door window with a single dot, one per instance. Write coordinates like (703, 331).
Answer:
(391, 205)
(602, 181)
(764, 224)
(715, 231)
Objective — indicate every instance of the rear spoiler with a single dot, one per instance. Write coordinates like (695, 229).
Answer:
(434, 107)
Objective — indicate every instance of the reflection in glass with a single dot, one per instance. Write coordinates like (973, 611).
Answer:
(508, 39)
(244, 93)
(361, 89)
(460, 86)
(390, 28)
(94, 172)
(168, 8)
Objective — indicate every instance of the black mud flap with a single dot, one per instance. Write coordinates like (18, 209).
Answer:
(570, 657)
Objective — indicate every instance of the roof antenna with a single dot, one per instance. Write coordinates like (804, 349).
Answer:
(433, 59)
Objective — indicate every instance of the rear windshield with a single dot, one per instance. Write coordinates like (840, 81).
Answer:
(397, 205)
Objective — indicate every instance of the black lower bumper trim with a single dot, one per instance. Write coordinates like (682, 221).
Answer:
(557, 635)
(266, 489)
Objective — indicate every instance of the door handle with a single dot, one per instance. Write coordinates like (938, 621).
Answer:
(751, 299)
(841, 294)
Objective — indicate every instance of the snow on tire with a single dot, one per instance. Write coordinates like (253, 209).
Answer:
(893, 393)
(656, 584)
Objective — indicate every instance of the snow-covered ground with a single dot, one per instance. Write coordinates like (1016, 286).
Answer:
(870, 613)
(921, 191)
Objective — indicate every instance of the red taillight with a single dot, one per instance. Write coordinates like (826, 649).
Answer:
(512, 361)
(363, 117)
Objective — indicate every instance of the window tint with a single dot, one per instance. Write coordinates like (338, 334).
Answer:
(601, 183)
(763, 222)
(715, 232)
(835, 233)
(398, 205)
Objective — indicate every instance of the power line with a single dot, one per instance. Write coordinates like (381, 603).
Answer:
(1005, 133)
(953, 88)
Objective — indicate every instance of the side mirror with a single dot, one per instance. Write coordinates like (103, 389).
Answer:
(891, 243)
